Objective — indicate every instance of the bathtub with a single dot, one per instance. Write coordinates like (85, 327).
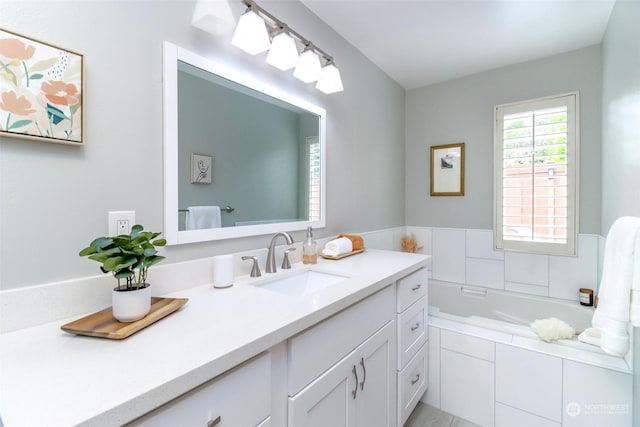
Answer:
(488, 367)
(511, 313)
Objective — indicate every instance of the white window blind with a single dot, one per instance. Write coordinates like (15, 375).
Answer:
(536, 175)
(313, 178)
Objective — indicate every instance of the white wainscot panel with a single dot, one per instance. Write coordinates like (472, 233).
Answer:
(467, 388)
(527, 269)
(480, 245)
(432, 397)
(529, 381)
(423, 238)
(595, 397)
(506, 416)
(568, 274)
(448, 260)
(485, 272)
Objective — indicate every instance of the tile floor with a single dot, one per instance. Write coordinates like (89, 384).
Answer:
(428, 416)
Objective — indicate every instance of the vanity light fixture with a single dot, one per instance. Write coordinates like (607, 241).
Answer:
(309, 68)
(283, 53)
(330, 81)
(252, 36)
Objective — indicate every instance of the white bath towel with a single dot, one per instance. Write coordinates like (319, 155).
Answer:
(202, 217)
(337, 247)
(619, 291)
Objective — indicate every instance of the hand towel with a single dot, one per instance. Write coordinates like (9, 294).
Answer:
(338, 246)
(202, 217)
(357, 242)
(612, 316)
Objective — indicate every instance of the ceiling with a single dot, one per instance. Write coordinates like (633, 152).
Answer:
(421, 42)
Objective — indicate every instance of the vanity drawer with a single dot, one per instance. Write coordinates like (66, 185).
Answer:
(315, 350)
(411, 288)
(412, 331)
(240, 397)
(412, 383)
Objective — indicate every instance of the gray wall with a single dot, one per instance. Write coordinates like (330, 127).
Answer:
(621, 134)
(54, 199)
(461, 110)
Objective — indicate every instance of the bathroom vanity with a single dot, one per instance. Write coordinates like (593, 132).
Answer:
(247, 355)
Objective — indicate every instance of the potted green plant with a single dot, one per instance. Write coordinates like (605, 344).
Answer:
(128, 257)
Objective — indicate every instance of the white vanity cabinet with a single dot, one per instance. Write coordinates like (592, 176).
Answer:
(342, 371)
(412, 367)
(240, 397)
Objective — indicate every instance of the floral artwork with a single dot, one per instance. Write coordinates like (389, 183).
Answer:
(41, 90)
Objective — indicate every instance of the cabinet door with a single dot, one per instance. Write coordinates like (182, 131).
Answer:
(359, 390)
(376, 397)
(328, 400)
(241, 397)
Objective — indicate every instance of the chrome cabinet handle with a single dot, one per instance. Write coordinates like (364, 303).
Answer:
(416, 326)
(364, 369)
(416, 380)
(354, 392)
(214, 422)
(416, 287)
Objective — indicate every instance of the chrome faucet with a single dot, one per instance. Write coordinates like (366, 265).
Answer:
(271, 255)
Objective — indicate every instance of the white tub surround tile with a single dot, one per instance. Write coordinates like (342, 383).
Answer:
(488, 273)
(568, 274)
(423, 236)
(449, 254)
(530, 269)
(480, 245)
(527, 289)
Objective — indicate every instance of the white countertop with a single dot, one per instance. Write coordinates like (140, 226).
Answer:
(52, 378)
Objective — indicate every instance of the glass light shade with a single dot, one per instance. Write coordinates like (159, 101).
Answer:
(309, 68)
(217, 16)
(251, 34)
(283, 53)
(330, 81)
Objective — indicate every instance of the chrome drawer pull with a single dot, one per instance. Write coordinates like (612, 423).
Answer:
(416, 380)
(416, 287)
(416, 326)
(213, 423)
(364, 369)
(354, 392)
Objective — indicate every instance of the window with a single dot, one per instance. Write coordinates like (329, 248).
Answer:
(536, 175)
(313, 178)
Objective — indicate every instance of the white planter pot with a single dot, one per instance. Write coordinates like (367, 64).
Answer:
(129, 306)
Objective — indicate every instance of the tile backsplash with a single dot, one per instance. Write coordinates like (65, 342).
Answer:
(467, 256)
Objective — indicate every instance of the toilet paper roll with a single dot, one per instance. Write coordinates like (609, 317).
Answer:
(222, 271)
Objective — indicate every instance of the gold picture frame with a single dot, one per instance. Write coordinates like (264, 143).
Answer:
(447, 170)
(42, 90)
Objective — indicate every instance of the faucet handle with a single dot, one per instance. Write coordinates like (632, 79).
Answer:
(255, 269)
(285, 261)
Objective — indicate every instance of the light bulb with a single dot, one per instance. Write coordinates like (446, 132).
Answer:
(309, 69)
(251, 34)
(283, 53)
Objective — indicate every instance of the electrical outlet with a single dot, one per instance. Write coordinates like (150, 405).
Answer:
(120, 222)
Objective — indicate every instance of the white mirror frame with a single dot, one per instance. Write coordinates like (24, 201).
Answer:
(173, 54)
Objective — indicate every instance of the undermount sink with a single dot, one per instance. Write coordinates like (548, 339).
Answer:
(300, 283)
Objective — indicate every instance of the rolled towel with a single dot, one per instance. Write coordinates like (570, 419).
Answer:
(357, 242)
(552, 329)
(337, 247)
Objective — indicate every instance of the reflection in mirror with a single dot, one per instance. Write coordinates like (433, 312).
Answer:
(241, 158)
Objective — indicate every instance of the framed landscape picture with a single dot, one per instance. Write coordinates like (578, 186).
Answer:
(447, 170)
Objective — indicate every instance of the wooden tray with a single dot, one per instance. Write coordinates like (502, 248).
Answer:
(341, 255)
(103, 325)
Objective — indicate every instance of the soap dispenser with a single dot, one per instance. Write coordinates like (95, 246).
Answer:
(309, 249)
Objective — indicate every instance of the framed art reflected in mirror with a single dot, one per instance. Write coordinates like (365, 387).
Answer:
(447, 170)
